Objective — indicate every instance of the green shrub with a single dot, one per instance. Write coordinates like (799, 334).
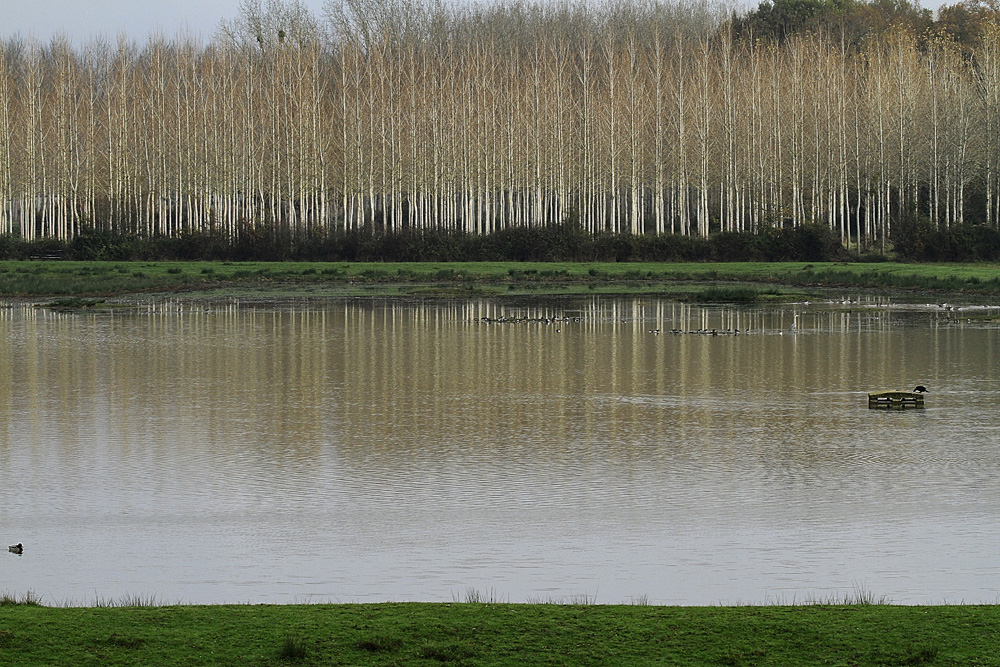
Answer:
(380, 644)
(554, 242)
(101, 245)
(292, 648)
(920, 241)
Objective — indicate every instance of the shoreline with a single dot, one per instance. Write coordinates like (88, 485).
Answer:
(488, 633)
(696, 282)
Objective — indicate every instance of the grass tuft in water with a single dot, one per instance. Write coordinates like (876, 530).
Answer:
(579, 600)
(860, 596)
(489, 596)
(73, 303)
(128, 600)
(29, 599)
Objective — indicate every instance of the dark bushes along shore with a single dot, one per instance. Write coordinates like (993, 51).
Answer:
(914, 242)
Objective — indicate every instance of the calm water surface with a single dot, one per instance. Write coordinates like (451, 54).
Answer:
(303, 451)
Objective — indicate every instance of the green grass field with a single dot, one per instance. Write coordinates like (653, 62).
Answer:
(58, 278)
(500, 634)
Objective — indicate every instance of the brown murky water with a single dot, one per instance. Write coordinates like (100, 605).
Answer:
(368, 451)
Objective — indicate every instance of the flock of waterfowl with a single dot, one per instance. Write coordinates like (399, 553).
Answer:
(946, 308)
(503, 319)
(703, 332)
(559, 320)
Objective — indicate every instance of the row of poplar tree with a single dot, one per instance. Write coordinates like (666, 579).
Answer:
(651, 116)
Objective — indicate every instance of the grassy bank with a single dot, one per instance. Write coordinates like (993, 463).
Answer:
(70, 278)
(500, 634)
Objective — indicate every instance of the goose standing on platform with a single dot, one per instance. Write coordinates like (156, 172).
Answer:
(16, 548)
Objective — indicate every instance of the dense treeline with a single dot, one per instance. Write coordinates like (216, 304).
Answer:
(537, 243)
(642, 118)
(810, 242)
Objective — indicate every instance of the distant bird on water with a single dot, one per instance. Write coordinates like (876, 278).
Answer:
(920, 389)
(16, 548)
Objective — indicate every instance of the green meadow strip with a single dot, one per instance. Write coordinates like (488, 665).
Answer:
(500, 634)
(89, 279)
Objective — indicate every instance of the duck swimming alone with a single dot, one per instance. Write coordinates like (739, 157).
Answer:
(16, 548)
(920, 389)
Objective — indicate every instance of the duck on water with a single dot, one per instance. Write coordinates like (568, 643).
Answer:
(16, 548)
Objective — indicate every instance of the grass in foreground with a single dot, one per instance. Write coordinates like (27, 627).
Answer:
(500, 634)
(58, 278)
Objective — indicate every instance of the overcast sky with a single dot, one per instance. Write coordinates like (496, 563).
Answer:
(80, 20)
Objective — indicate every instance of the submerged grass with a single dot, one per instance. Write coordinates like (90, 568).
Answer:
(78, 279)
(501, 634)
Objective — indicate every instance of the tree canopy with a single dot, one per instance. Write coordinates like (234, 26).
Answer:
(851, 20)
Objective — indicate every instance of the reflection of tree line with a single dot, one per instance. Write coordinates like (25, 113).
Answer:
(641, 315)
(631, 118)
(638, 315)
(442, 384)
(378, 379)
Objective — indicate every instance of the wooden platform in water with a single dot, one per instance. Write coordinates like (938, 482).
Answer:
(895, 399)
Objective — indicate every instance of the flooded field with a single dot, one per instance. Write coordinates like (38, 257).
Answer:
(599, 449)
